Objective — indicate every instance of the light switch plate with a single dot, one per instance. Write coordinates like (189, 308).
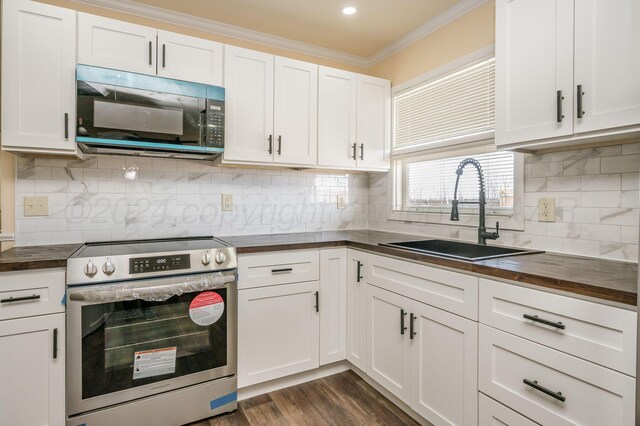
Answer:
(227, 202)
(342, 202)
(546, 210)
(36, 206)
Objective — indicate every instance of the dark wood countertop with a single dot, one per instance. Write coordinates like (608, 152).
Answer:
(36, 257)
(603, 279)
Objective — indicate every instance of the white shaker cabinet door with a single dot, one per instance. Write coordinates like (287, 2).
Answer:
(32, 362)
(337, 122)
(296, 112)
(248, 81)
(333, 305)
(38, 77)
(114, 44)
(534, 70)
(189, 58)
(374, 123)
(607, 64)
(356, 309)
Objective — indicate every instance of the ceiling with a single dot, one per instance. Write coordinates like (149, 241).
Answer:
(377, 24)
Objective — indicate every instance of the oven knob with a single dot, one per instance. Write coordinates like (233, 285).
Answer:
(206, 259)
(90, 269)
(108, 267)
(220, 257)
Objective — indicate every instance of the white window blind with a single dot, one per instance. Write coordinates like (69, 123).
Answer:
(456, 108)
(426, 184)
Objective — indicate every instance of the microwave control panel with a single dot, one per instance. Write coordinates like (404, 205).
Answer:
(215, 123)
(142, 265)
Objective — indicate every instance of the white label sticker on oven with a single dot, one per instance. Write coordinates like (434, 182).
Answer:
(155, 362)
(206, 308)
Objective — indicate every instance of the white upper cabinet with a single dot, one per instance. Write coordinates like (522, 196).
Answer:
(110, 43)
(534, 70)
(271, 109)
(189, 58)
(249, 105)
(374, 122)
(566, 71)
(295, 112)
(607, 63)
(337, 122)
(38, 78)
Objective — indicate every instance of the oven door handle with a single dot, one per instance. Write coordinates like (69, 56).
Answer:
(159, 292)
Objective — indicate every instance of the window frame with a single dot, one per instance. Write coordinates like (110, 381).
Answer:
(514, 221)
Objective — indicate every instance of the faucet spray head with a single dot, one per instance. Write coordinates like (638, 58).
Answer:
(454, 211)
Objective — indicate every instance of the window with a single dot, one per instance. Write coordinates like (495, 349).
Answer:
(439, 122)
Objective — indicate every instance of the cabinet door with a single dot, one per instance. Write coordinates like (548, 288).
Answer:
(534, 60)
(189, 58)
(296, 112)
(374, 122)
(492, 413)
(277, 332)
(389, 348)
(109, 43)
(333, 305)
(445, 369)
(607, 63)
(32, 370)
(356, 309)
(38, 77)
(337, 109)
(248, 80)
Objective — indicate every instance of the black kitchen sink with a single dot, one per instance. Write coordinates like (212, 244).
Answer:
(459, 250)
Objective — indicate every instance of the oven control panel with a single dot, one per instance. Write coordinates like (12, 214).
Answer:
(140, 265)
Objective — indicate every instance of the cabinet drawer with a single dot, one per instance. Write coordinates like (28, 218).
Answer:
(282, 267)
(493, 413)
(593, 395)
(29, 293)
(450, 291)
(603, 334)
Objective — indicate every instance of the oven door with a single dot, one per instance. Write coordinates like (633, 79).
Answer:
(133, 339)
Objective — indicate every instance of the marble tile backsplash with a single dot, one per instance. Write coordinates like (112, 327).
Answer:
(91, 200)
(596, 197)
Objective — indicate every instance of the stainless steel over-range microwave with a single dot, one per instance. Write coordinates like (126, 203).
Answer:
(135, 114)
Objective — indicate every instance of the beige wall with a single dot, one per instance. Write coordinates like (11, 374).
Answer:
(465, 35)
(202, 34)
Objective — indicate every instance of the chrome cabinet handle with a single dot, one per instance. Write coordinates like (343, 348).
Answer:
(580, 93)
(534, 384)
(354, 151)
(279, 145)
(150, 53)
(402, 327)
(20, 299)
(535, 318)
(270, 144)
(559, 98)
(362, 151)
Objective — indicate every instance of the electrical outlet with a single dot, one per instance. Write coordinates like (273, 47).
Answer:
(227, 202)
(546, 210)
(342, 202)
(36, 206)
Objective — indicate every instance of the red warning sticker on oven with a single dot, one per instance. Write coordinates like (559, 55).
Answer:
(206, 308)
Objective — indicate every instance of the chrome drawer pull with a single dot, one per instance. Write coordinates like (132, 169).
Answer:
(20, 299)
(279, 271)
(534, 384)
(535, 318)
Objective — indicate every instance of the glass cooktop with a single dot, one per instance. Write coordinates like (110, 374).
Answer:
(134, 247)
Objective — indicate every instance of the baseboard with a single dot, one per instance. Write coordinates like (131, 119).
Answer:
(294, 379)
(324, 371)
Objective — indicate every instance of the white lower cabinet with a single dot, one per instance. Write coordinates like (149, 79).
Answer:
(333, 305)
(356, 309)
(492, 413)
(424, 356)
(32, 374)
(278, 331)
(551, 387)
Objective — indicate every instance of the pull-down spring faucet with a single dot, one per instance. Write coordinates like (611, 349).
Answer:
(483, 235)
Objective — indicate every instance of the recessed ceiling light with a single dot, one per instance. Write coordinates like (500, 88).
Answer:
(349, 10)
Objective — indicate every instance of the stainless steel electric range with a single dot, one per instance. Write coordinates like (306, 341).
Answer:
(151, 332)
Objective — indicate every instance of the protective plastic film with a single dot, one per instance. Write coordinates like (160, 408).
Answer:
(159, 291)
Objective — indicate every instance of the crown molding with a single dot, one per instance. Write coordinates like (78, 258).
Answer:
(449, 15)
(133, 7)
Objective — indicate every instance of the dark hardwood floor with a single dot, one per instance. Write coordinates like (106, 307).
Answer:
(341, 399)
